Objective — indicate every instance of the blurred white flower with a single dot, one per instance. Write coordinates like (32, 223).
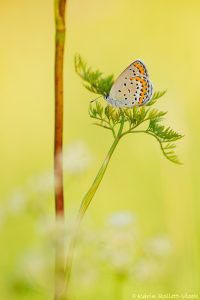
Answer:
(87, 264)
(154, 264)
(34, 195)
(119, 245)
(37, 266)
(16, 203)
(54, 231)
(147, 269)
(120, 261)
(76, 158)
(159, 246)
(89, 277)
(86, 269)
(33, 272)
(121, 219)
(33, 264)
(41, 183)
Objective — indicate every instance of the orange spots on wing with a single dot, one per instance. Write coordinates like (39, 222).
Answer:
(144, 88)
(141, 99)
(139, 67)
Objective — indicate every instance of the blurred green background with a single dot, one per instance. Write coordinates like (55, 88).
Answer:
(164, 197)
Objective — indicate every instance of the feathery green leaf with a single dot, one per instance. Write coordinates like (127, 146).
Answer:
(163, 133)
(93, 80)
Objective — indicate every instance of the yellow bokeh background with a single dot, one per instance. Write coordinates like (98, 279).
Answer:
(109, 35)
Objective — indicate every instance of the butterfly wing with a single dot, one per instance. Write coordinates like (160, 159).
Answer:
(140, 68)
(133, 86)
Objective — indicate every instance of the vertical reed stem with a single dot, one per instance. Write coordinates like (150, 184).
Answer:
(58, 140)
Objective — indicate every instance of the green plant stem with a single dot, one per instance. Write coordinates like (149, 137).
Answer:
(58, 139)
(86, 202)
(91, 192)
(119, 280)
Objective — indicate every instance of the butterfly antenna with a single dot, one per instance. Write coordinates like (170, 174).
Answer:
(95, 99)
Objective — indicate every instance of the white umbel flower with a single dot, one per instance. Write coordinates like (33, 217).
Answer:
(76, 158)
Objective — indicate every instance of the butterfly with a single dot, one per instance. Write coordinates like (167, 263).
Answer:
(132, 87)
